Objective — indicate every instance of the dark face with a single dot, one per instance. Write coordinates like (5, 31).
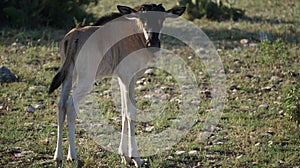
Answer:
(152, 17)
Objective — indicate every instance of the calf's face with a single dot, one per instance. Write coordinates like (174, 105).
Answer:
(152, 17)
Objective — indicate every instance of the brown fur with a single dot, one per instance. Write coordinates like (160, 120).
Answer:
(75, 39)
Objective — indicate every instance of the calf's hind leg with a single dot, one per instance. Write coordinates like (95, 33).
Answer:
(61, 115)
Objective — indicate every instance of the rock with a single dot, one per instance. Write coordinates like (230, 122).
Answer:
(39, 106)
(52, 134)
(24, 153)
(149, 128)
(190, 57)
(244, 41)
(16, 44)
(116, 119)
(276, 79)
(6, 75)
(30, 109)
(16, 149)
(267, 88)
(240, 156)
(218, 142)
(193, 152)
(40, 127)
(179, 152)
(150, 72)
(263, 106)
(245, 108)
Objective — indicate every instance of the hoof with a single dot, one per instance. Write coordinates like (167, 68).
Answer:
(74, 162)
(138, 162)
(58, 164)
(125, 160)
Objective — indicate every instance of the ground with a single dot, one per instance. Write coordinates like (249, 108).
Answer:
(255, 130)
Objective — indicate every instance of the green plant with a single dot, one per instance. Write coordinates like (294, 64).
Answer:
(55, 13)
(269, 51)
(211, 9)
(291, 103)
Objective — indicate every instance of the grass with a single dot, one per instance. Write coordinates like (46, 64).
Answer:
(255, 129)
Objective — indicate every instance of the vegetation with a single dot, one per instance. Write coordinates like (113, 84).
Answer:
(33, 13)
(211, 9)
(255, 129)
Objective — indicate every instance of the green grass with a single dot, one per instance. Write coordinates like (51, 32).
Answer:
(248, 136)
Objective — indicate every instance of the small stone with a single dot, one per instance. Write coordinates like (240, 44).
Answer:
(263, 106)
(40, 127)
(190, 57)
(193, 152)
(29, 124)
(140, 82)
(276, 79)
(39, 106)
(15, 44)
(149, 128)
(179, 152)
(52, 133)
(218, 142)
(24, 153)
(6, 75)
(16, 149)
(117, 119)
(150, 72)
(30, 109)
(88, 102)
(244, 41)
(267, 88)
(244, 108)
(240, 156)
(270, 143)
(46, 163)
(233, 87)
(238, 49)
(148, 96)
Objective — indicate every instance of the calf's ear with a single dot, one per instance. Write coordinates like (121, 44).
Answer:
(128, 12)
(175, 12)
(125, 10)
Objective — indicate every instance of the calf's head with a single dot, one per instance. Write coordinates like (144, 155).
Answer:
(151, 17)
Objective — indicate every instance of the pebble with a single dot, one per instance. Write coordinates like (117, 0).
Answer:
(30, 109)
(16, 149)
(24, 153)
(267, 88)
(179, 152)
(240, 156)
(190, 57)
(244, 41)
(244, 108)
(263, 106)
(6, 75)
(193, 152)
(150, 72)
(149, 128)
(39, 106)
